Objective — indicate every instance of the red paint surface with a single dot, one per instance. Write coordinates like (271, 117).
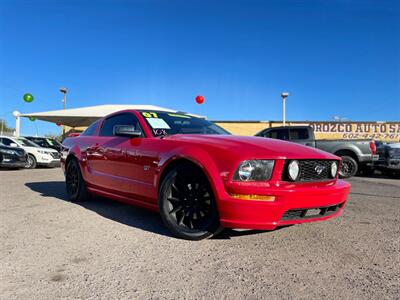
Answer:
(129, 170)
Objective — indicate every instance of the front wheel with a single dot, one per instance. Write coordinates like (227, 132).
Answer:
(30, 162)
(349, 167)
(187, 204)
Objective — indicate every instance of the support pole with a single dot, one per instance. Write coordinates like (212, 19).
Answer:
(17, 126)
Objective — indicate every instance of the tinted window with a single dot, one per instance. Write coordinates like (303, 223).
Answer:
(164, 123)
(280, 134)
(298, 134)
(27, 143)
(124, 119)
(40, 142)
(6, 142)
(91, 130)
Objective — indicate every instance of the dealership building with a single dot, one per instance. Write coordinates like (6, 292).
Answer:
(77, 119)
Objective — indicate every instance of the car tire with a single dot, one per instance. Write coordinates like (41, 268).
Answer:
(187, 204)
(74, 183)
(30, 162)
(349, 167)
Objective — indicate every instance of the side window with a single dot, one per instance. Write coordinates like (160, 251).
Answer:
(299, 134)
(6, 142)
(40, 142)
(280, 134)
(91, 129)
(123, 119)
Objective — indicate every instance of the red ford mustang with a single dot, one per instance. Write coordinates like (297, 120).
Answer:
(198, 176)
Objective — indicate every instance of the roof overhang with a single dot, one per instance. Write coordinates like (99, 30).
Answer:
(84, 116)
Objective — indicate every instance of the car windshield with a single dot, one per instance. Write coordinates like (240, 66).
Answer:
(165, 123)
(52, 142)
(26, 142)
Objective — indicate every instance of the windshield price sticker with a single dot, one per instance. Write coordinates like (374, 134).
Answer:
(157, 123)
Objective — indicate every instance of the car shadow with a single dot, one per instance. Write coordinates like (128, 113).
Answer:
(126, 214)
(119, 212)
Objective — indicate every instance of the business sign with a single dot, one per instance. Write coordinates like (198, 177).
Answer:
(383, 131)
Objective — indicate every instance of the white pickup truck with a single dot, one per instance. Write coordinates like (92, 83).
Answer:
(37, 156)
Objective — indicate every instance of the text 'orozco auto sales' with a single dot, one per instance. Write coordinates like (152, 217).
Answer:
(362, 130)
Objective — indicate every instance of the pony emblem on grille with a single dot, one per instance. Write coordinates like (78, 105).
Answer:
(319, 169)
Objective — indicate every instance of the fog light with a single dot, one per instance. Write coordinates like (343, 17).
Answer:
(334, 169)
(294, 170)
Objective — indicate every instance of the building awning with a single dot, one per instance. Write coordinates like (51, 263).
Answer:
(84, 116)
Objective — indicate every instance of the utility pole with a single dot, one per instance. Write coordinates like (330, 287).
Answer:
(284, 95)
(64, 91)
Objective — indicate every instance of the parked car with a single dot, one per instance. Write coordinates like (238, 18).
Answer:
(12, 158)
(37, 156)
(389, 159)
(198, 176)
(356, 155)
(45, 142)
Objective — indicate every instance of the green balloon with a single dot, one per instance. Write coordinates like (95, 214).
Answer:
(32, 119)
(28, 98)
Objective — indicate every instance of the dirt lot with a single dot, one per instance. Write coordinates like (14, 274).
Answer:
(51, 248)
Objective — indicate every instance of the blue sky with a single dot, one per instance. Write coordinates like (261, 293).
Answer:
(334, 57)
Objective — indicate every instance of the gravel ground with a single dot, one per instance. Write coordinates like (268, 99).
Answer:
(51, 248)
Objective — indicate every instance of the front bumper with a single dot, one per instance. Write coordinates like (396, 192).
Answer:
(12, 164)
(50, 164)
(268, 215)
(12, 161)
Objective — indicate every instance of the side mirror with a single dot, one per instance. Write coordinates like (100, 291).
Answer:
(126, 130)
(13, 145)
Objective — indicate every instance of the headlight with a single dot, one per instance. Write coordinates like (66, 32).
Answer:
(334, 168)
(254, 170)
(6, 151)
(294, 170)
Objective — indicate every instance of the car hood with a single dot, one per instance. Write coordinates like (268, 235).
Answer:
(40, 148)
(252, 146)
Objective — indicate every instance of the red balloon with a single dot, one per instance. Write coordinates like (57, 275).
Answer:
(200, 99)
(58, 124)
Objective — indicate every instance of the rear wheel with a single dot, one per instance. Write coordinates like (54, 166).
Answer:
(30, 162)
(187, 204)
(74, 183)
(349, 167)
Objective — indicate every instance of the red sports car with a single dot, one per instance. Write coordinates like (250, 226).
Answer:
(198, 176)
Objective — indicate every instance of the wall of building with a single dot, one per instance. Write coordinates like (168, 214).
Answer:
(384, 131)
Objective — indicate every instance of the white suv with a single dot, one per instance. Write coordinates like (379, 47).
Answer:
(36, 154)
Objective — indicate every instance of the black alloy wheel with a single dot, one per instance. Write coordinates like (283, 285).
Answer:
(187, 204)
(348, 168)
(74, 183)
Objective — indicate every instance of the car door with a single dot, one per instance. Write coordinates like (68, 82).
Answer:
(110, 162)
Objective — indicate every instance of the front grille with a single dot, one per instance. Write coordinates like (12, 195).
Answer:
(310, 170)
(55, 155)
(310, 213)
